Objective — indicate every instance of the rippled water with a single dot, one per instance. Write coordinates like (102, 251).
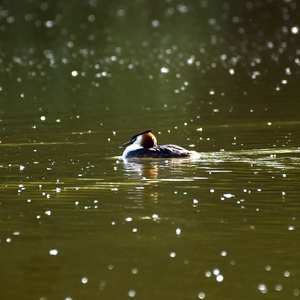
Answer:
(79, 79)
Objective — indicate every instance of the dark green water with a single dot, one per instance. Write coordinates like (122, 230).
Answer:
(78, 79)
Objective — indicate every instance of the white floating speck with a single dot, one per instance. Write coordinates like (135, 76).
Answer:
(22, 168)
(291, 228)
(53, 252)
(220, 278)
(195, 201)
(223, 253)
(43, 118)
(201, 295)
(8, 240)
(48, 212)
(164, 70)
(155, 216)
(178, 231)
(128, 219)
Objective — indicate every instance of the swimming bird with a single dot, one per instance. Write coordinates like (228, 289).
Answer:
(144, 145)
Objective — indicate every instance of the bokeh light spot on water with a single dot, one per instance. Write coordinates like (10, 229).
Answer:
(164, 70)
(208, 273)
(278, 287)
(49, 24)
(262, 288)
(182, 8)
(74, 73)
(296, 292)
(84, 280)
(216, 271)
(155, 216)
(53, 252)
(201, 295)
(286, 273)
(131, 293)
(268, 268)
(220, 278)
(134, 271)
(172, 254)
(295, 29)
(155, 23)
(91, 18)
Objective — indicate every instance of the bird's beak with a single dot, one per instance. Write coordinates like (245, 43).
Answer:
(126, 144)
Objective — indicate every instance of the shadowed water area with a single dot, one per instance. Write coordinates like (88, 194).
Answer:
(79, 79)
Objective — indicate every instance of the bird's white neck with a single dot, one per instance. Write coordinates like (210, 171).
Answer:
(130, 148)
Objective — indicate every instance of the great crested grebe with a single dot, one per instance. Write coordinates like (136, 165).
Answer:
(144, 145)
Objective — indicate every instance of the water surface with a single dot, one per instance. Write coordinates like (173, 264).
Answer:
(79, 79)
